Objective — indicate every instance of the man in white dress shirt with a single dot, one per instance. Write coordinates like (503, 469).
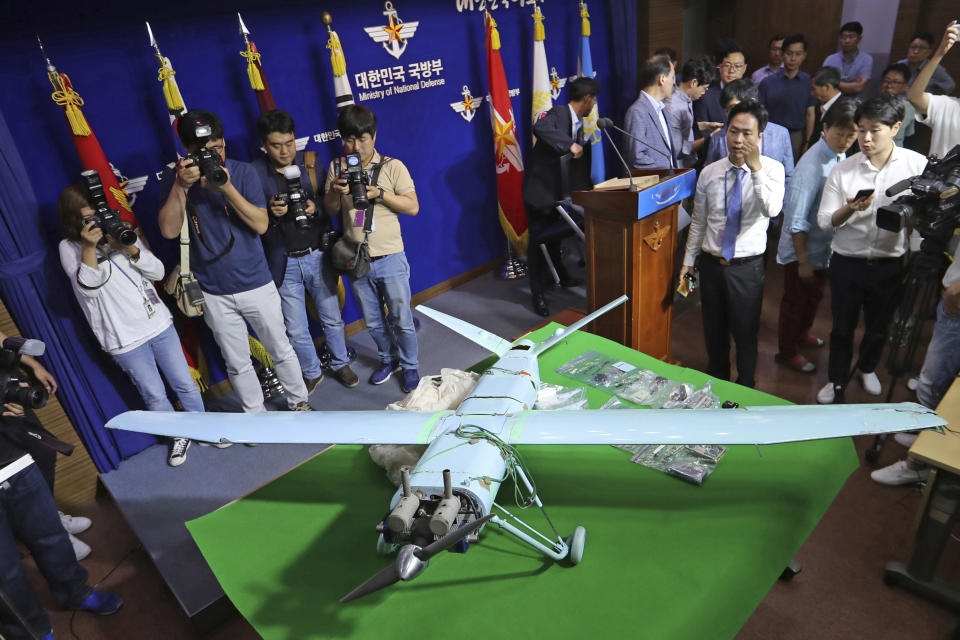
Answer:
(867, 261)
(734, 201)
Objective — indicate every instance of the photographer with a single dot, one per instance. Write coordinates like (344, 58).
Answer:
(113, 285)
(867, 261)
(294, 253)
(227, 215)
(29, 515)
(390, 191)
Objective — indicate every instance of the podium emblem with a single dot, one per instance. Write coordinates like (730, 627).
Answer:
(655, 239)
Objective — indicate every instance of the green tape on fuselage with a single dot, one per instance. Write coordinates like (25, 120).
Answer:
(424, 437)
(516, 427)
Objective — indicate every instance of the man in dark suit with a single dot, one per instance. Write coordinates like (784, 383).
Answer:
(651, 145)
(731, 64)
(558, 164)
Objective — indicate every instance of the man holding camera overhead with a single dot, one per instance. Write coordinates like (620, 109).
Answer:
(293, 243)
(225, 203)
(370, 191)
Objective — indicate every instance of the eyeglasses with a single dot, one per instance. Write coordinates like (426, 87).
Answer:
(892, 81)
(733, 67)
(216, 147)
(918, 47)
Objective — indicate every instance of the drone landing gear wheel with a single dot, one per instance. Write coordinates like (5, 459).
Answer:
(576, 543)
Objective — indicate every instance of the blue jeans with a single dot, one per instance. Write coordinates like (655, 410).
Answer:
(307, 273)
(163, 351)
(28, 513)
(942, 363)
(388, 283)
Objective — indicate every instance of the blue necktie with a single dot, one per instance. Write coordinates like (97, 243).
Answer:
(734, 207)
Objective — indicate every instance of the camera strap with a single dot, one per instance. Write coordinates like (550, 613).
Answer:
(374, 180)
(100, 259)
(190, 212)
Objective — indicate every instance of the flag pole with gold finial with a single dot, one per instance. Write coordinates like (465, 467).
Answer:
(341, 84)
(258, 79)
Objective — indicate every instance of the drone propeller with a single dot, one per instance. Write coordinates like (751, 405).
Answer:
(412, 560)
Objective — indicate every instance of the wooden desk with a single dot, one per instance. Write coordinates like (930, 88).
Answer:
(939, 509)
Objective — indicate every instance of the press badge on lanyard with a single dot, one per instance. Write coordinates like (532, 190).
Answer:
(147, 293)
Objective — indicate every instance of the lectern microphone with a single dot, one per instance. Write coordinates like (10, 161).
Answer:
(608, 123)
(603, 124)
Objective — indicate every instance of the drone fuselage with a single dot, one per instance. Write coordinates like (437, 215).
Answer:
(476, 465)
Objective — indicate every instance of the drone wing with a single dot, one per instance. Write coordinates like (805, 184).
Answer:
(487, 340)
(748, 425)
(331, 427)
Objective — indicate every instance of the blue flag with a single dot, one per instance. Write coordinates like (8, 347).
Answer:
(591, 134)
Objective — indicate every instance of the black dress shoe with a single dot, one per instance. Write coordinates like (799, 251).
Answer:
(566, 283)
(540, 306)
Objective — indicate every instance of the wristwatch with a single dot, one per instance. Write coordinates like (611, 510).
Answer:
(379, 198)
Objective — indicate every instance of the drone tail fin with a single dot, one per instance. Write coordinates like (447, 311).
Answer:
(482, 337)
(556, 338)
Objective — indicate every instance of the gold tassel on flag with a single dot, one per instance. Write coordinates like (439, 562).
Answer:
(170, 90)
(259, 353)
(337, 59)
(70, 100)
(585, 20)
(539, 33)
(252, 56)
(494, 34)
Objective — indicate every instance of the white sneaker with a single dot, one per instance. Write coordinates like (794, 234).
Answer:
(906, 439)
(870, 383)
(218, 445)
(899, 473)
(178, 452)
(913, 383)
(80, 548)
(74, 524)
(826, 395)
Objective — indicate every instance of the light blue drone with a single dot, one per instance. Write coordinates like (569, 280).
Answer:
(451, 492)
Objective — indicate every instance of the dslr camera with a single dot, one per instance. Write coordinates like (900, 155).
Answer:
(208, 160)
(933, 202)
(105, 218)
(357, 180)
(33, 396)
(294, 197)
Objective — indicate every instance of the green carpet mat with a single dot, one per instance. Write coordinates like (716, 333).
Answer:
(663, 558)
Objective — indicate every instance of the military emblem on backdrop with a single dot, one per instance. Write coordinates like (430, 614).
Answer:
(467, 108)
(395, 34)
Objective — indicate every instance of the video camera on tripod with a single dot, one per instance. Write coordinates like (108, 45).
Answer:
(105, 218)
(933, 202)
(33, 396)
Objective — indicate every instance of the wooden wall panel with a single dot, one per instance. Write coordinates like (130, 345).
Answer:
(76, 481)
(934, 16)
(753, 22)
(660, 25)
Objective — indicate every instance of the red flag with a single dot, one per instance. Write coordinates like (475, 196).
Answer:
(509, 161)
(88, 147)
(262, 89)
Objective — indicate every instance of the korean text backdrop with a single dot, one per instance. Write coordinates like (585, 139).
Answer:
(104, 49)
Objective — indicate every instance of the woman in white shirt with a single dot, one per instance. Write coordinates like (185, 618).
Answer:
(113, 284)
